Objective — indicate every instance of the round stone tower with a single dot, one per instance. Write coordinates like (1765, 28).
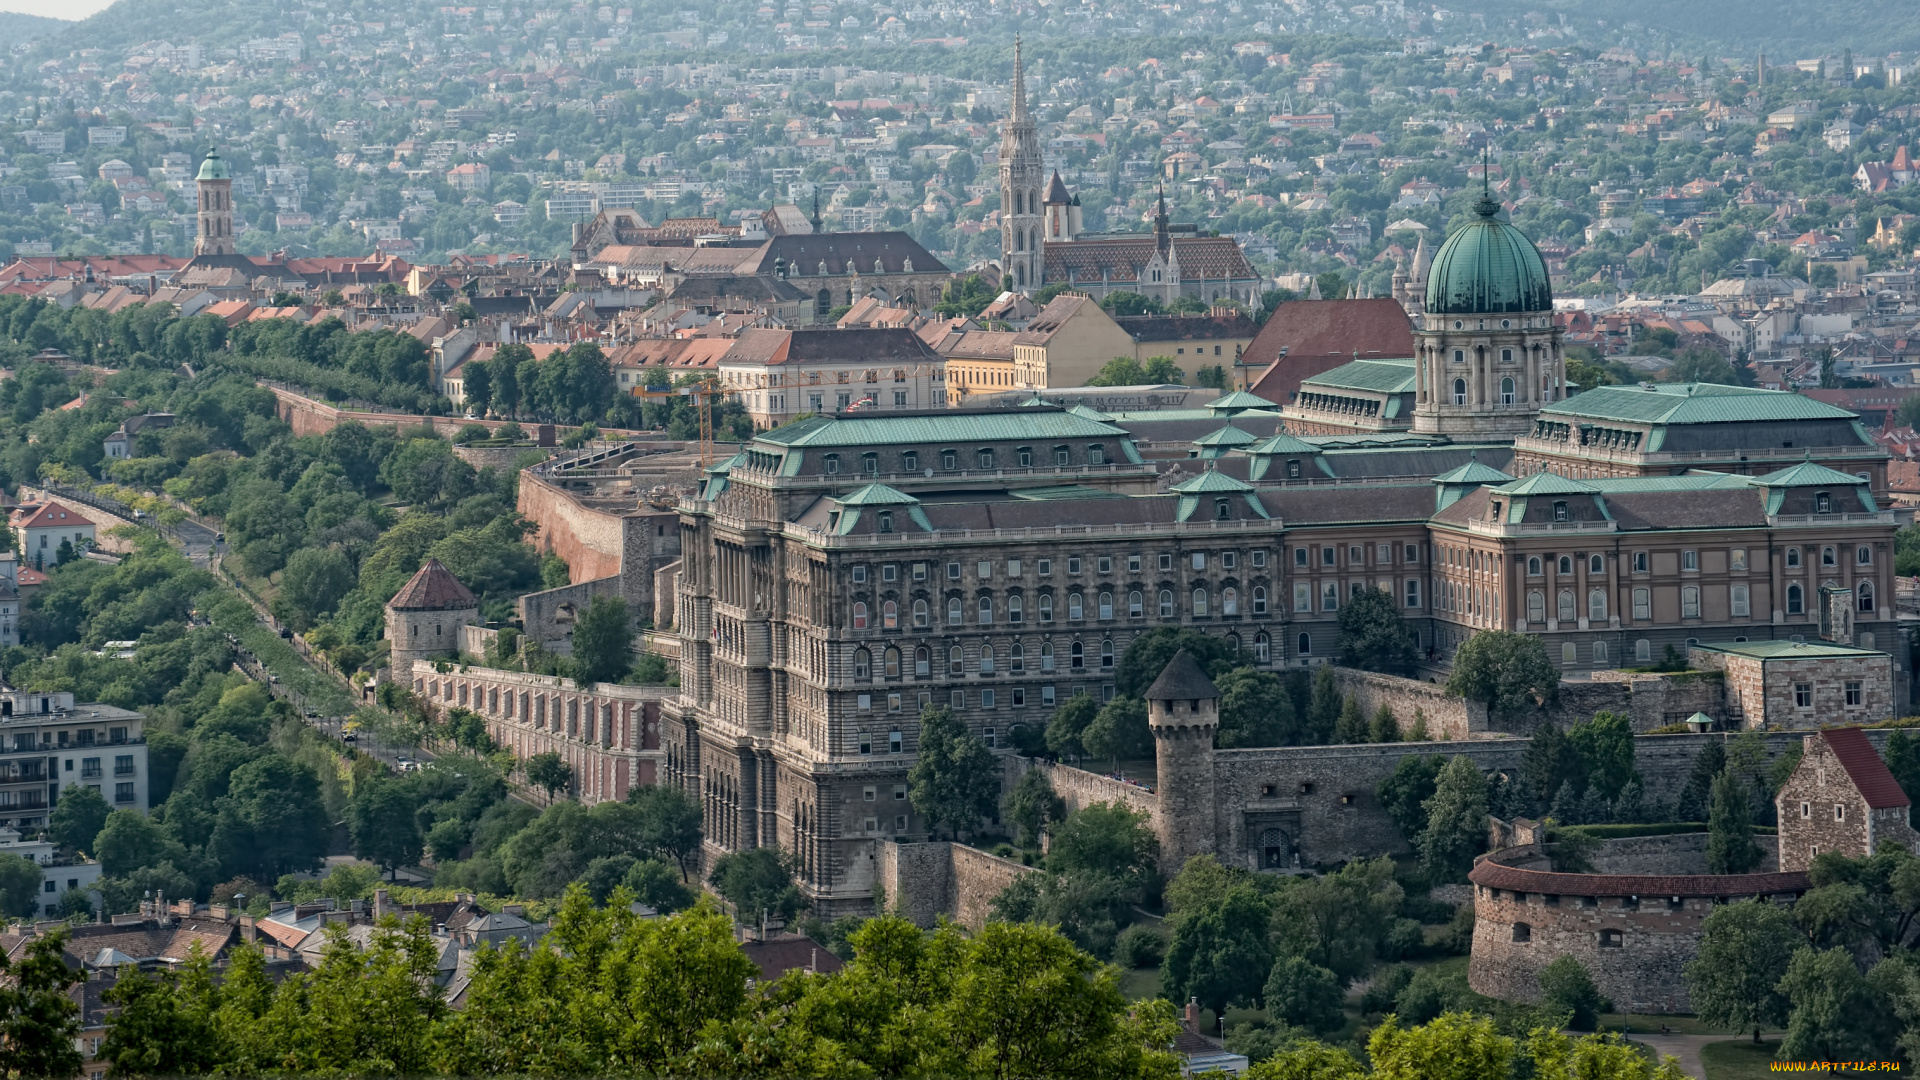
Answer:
(424, 618)
(1183, 710)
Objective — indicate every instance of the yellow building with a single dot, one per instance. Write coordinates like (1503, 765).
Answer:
(1067, 344)
(978, 362)
(1192, 341)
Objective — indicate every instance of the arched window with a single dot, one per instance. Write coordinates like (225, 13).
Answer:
(986, 611)
(1076, 656)
(890, 615)
(1014, 608)
(986, 658)
(1739, 605)
(1600, 654)
(859, 615)
(920, 613)
(1075, 610)
(1827, 556)
(1459, 388)
(1866, 596)
(1303, 645)
(1106, 653)
(1561, 512)
(1863, 555)
(862, 664)
(1793, 556)
(1016, 658)
(1596, 564)
(1259, 600)
(956, 660)
(1796, 600)
(1569, 653)
(1262, 647)
(922, 662)
(1200, 603)
(892, 663)
(1136, 604)
(956, 611)
(1642, 650)
(1690, 602)
(1046, 656)
(1533, 566)
(1566, 605)
(1597, 606)
(1166, 603)
(1566, 561)
(1106, 605)
(1506, 384)
(1062, 455)
(1536, 607)
(1222, 509)
(870, 463)
(1229, 602)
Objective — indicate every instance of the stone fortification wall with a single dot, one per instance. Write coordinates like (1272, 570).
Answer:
(1649, 700)
(592, 541)
(497, 457)
(925, 881)
(1448, 717)
(1682, 853)
(1652, 699)
(1079, 788)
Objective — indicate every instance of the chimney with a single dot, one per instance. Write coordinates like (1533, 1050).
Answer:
(1193, 1015)
(379, 904)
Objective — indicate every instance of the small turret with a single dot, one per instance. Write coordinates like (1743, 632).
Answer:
(1183, 712)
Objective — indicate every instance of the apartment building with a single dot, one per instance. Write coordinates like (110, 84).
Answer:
(48, 743)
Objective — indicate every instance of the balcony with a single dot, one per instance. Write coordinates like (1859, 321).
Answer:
(1541, 528)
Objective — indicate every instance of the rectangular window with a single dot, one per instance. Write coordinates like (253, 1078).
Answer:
(1046, 696)
(984, 570)
(1019, 697)
(123, 765)
(1803, 695)
(1227, 560)
(1689, 560)
(1302, 596)
(1013, 568)
(1299, 558)
(1106, 565)
(1639, 562)
(889, 573)
(1199, 560)
(865, 702)
(1330, 597)
(123, 793)
(1643, 603)
(859, 575)
(957, 699)
(1259, 559)
(919, 571)
(1133, 564)
(1412, 553)
(1073, 564)
(986, 699)
(1738, 559)
(90, 767)
(1326, 556)
(1166, 560)
(1853, 693)
(1413, 593)
(1044, 567)
(953, 571)
(866, 743)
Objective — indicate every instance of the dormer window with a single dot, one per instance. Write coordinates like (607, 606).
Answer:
(986, 458)
(1096, 454)
(1822, 503)
(832, 464)
(886, 521)
(1494, 515)
(1561, 513)
(870, 464)
(1293, 469)
(1222, 509)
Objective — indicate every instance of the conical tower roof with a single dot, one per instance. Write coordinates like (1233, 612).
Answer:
(1182, 679)
(434, 588)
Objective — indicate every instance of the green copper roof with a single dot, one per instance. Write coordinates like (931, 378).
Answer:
(877, 495)
(1000, 425)
(1227, 436)
(1545, 483)
(1690, 403)
(1061, 492)
(214, 167)
(1209, 483)
(1807, 474)
(1379, 376)
(1488, 267)
(1473, 473)
(1089, 413)
(1282, 443)
(1237, 400)
(1785, 650)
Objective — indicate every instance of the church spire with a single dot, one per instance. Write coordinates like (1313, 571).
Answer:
(1162, 239)
(1019, 83)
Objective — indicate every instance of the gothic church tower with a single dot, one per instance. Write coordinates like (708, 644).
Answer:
(214, 232)
(1021, 180)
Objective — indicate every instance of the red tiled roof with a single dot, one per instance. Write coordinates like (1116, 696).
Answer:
(434, 588)
(53, 515)
(790, 952)
(1493, 875)
(1865, 768)
(1320, 335)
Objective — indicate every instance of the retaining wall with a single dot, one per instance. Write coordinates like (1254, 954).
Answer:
(925, 881)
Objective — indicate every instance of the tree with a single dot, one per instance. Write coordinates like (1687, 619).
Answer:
(162, 1024)
(955, 780)
(1566, 987)
(1070, 719)
(384, 825)
(273, 821)
(1106, 838)
(1373, 636)
(669, 823)
(1160, 369)
(1695, 795)
(131, 840)
(603, 641)
(1385, 726)
(424, 472)
(1456, 820)
(19, 886)
(1735, 981)
(1504, 670)
(1323, 706)
(1031, 805)
(1404, 793)
(1455, 1046)
(1835, 1015)
(1549, 763)
(1730, 846)
(1603, 747)
(658, 885)
(503, 375)
(1351, 727)
(313, 582)
(758, 881)
(1307, 1060)
(1119, 731)
(1255, 710)
(549, 772)
(1303, 994)
(1219, 951)
(79, 817)
(477, 386)
(1148, 654)
(39, 1023)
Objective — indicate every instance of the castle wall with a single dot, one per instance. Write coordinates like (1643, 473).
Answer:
(589, 540)
(1448, 717)
(925, 881)
(1684, 853)
(1079, 788)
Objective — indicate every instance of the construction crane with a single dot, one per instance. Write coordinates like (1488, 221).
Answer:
(702, 393)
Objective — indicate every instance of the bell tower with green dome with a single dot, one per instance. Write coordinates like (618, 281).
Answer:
(214, 186)
(1487, 352)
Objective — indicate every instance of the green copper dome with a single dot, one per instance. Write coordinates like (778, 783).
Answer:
(1488, 267)
(213, 168)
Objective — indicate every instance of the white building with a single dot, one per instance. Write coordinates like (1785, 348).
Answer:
(48, 744)
(45, 527)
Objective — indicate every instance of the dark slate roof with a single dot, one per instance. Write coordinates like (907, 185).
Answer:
(790, 952)
(1493, 875)
(1327, 504)
(1182, 679)
(433, 588)
(752, 288)
(1186, 327)
(805, 253)
(1865, 768)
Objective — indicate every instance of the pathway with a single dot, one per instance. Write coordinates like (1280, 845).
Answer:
(1685, 1048)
